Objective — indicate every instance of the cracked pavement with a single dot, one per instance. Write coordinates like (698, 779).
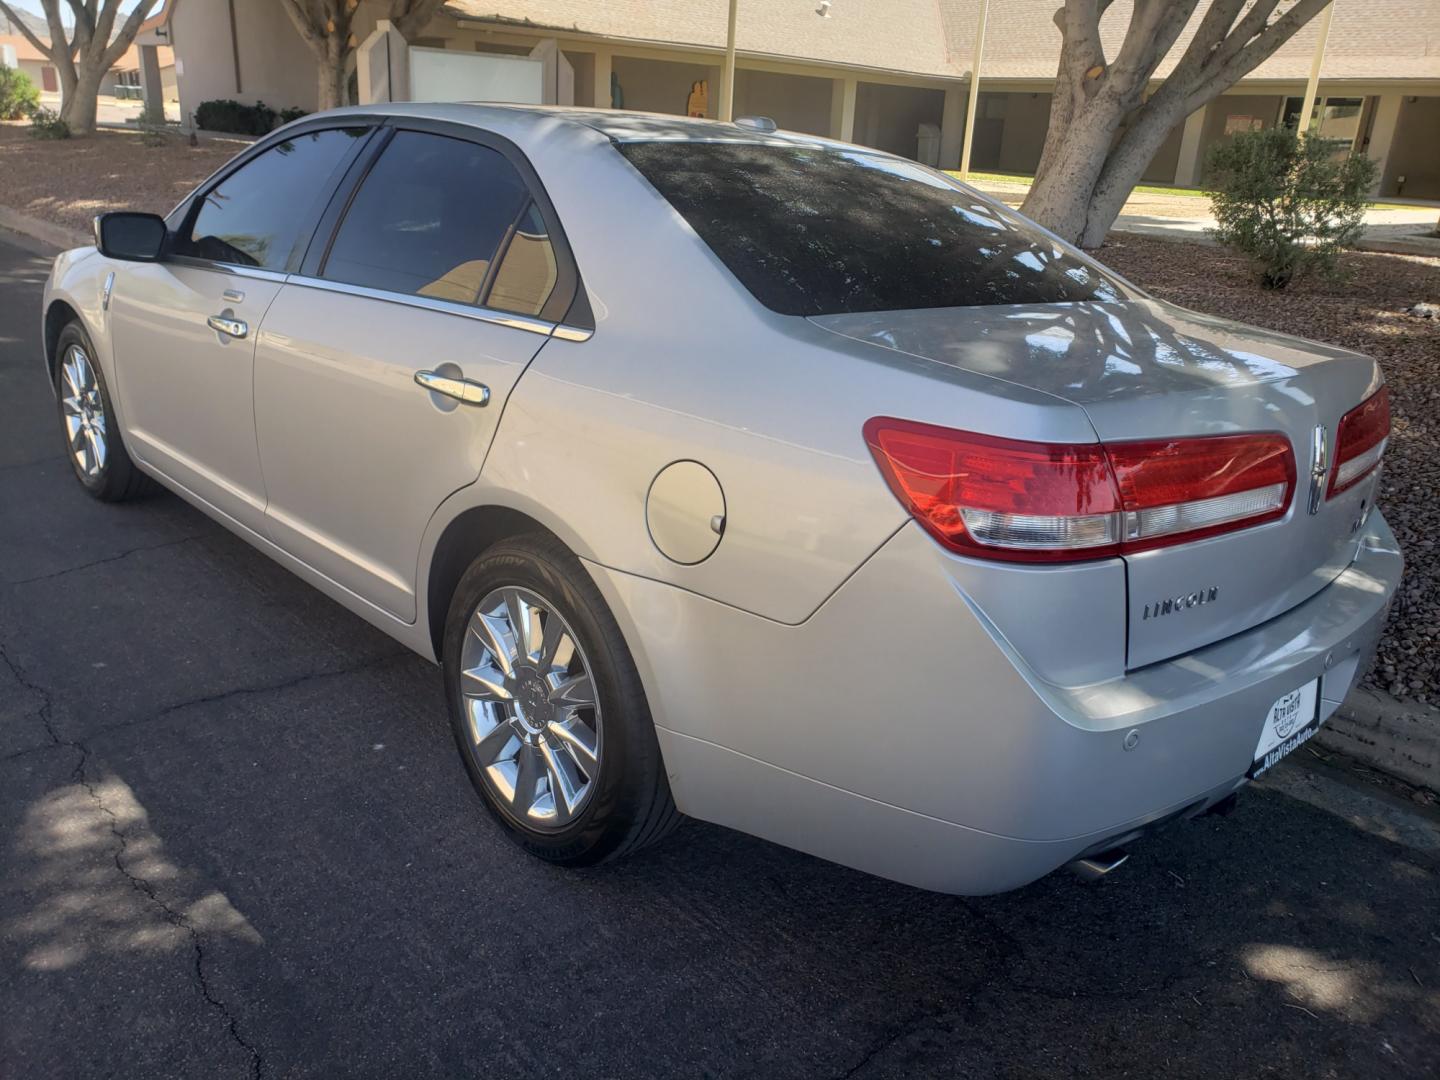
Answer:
(236, 841)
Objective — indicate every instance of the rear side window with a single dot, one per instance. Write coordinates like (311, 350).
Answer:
(429, 219)
(818, 231)
(526, 275)
(254, 216)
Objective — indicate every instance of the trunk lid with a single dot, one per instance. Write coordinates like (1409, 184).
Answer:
(1145, 370)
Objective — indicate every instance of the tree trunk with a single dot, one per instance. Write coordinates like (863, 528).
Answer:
(1060, 196)
(1124, 168)
(78, 110)
(333, 85)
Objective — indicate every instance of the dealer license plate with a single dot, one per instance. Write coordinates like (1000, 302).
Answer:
(1292, 721)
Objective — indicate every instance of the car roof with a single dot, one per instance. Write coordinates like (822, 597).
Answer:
(619, 125)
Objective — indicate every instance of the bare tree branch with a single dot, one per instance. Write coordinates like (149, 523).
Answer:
(128, 30)
(29, 35)
(411, 16)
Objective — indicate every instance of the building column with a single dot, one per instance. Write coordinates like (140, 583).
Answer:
(1382, 135)
(842, 109)
(1187, 168)
(952, 127)
(152, 86)
(602, 79)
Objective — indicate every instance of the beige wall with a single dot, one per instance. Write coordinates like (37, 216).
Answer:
(1161, 169)
(1415, 151)
(794, 102)
(662, 86)
(887, 117)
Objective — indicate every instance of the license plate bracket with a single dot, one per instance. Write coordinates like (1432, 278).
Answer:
(1289, 725)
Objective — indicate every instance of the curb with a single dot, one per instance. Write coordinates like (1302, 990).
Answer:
(1395, 737)
(47, 232)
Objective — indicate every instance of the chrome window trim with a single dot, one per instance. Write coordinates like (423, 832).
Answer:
(449, 307)
(566, 332)
(237, 269)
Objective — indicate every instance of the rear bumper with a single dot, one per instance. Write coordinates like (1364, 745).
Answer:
(898, 732)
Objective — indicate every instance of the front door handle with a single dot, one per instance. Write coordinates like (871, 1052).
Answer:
(466, 390)
(235, 328)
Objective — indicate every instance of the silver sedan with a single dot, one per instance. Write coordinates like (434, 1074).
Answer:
(755, 477)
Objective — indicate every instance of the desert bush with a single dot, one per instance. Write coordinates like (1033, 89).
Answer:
(18, 95)
(1289, 204)
(46, 124)
(231, 116)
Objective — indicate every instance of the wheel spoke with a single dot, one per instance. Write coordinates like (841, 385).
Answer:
(559, 650)
(493, 745)
(565, 783)
(524, 624)
(73, 429)
(72, 380)
(577, 738)
(489, 634)
(97, 447)
(574, 691)
(484, 683)
(527, 779)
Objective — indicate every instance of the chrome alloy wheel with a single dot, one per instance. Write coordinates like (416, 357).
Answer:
(84, 412)
(529, 699)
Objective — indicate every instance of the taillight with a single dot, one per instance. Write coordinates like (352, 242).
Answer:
(1360, 441)
(1041, 502)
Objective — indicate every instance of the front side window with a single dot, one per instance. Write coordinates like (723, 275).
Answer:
(254, 216)
(429, 219)
(820, 231)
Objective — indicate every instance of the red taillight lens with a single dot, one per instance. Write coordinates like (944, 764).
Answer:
(1039, 502)
(1184, 489)
(1360, 441)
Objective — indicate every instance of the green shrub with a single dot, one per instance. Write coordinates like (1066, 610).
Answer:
(18, 96)
(1290, 205)
(46, 124)
(231, 116)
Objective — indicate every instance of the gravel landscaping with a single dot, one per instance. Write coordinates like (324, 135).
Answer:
(69, 181)
(1366, 313)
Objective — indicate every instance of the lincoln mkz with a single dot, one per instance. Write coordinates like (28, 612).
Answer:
(755, 477)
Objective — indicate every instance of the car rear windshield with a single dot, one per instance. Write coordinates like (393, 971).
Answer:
(820, 231)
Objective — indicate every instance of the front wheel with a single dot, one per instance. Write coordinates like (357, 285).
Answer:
(547, 707)
(93, 442)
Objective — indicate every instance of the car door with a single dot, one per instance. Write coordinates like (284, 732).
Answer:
(383, 368)
(185, 327)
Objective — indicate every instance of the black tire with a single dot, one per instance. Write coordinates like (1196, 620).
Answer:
(117, 479)
(630, 805)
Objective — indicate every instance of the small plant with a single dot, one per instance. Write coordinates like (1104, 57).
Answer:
(286, 115)
(46, 124)
(18, 95)
(1289, 204)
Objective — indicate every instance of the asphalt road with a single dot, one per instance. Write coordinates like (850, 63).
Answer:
(237, 841)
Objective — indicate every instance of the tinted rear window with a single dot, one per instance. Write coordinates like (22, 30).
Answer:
(815, 231)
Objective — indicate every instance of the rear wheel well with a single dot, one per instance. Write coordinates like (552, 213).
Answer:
(56, 317)
(464, 538)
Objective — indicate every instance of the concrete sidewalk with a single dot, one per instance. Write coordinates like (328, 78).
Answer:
(1187, 217)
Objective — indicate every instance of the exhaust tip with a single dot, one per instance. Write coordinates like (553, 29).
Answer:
(1094, 867)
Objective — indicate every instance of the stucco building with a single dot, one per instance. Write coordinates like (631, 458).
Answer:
(886, 73)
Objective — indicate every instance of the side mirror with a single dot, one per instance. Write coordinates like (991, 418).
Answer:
(129, 236)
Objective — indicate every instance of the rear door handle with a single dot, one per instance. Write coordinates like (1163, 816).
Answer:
(235, 328)
(466, 390)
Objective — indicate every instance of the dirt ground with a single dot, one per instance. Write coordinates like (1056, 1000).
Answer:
(69, 181)
(1367, 313)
